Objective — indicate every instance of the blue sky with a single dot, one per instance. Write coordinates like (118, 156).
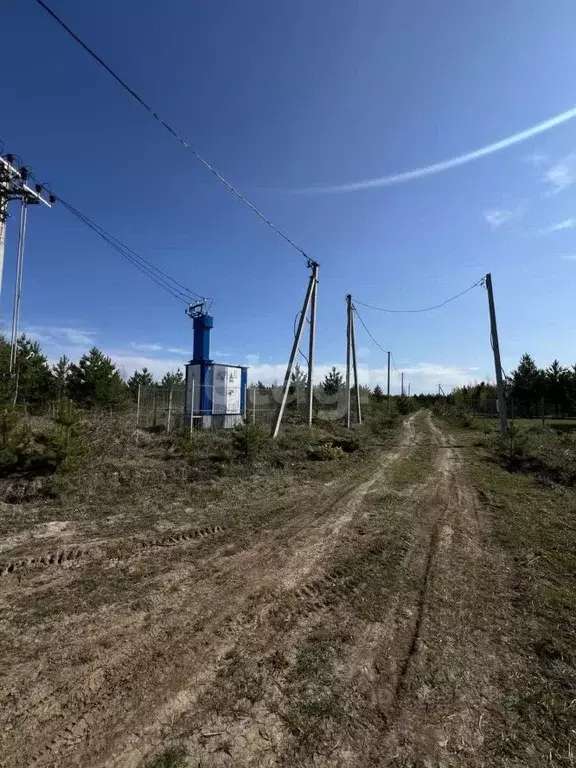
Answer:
(286, 99)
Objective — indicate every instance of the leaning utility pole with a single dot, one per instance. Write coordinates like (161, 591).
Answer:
(355, 365)
(497, 365)
(312, 280)
(312, 341)
(388, 382)
(348, 345)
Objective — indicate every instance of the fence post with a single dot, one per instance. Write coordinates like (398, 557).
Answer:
(154, 409)
(138, 405)
(192, 407)
(169, 417)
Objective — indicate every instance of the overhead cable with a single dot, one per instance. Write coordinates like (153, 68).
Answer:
(367, 331)
(423, 309)
(172, 131)
(139, 261)
(157, 275)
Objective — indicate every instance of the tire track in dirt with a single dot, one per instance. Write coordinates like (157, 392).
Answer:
(108, 552)
(433, 696)
(425, 665)
(318, 547)
(89, 704)
(281, 580)
(315, 597)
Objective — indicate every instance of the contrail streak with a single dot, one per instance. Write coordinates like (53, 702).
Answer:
(453, 162)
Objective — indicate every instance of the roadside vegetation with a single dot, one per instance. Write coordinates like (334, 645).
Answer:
(527, 482)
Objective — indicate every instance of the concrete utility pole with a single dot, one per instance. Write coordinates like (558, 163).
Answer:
(497, 364)
(311, 343)
(388, 383)
(402, 384)
(355, 366)
(348, 346)
(408, 389)
(295, 346)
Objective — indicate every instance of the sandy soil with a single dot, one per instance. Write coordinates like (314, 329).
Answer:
(357, 626)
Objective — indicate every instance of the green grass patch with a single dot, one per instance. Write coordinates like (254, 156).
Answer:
(537, 526)
(171, 757)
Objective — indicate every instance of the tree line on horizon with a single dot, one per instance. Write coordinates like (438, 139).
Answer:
(530, 391)
(95, 381)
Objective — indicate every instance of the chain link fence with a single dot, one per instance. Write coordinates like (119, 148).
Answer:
(165, 408)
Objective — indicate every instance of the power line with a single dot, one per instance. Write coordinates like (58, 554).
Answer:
(171, 130)
(126, 253)
(146, 267)
(176, 289)
(424, 309)
(368, 332)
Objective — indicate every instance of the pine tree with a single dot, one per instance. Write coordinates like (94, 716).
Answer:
(61, 373)
(556, 386)
(138, 379)
(298, 382)
(333, 381)
(299, 377)
(378, 394)
(95, 381)
(527, 387)
(33, 383)
(172, 379)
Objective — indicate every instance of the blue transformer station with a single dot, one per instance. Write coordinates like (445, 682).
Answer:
(215, 393)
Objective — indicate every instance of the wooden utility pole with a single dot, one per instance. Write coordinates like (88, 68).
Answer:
(388, 382)
(348, 346)
(402, 384)
(497, 365)
(311, 343)
(286, 386)
(355, 366)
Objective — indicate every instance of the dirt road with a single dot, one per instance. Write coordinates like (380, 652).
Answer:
(359, 624)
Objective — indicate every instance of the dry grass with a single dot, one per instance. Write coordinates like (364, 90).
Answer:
(360, 610)
(535, 524)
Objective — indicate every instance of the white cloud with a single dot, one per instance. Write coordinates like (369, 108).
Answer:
(496, 217)
(363, 353)
(252, 359)
(146, 347)
(453, 162)
(537, 160)
(564, 224)
(423, 377)
(128, 363)
(569, 257)
(160, 348)
(218, 354)
(41, 338)
(561, 175)
(59, 336)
